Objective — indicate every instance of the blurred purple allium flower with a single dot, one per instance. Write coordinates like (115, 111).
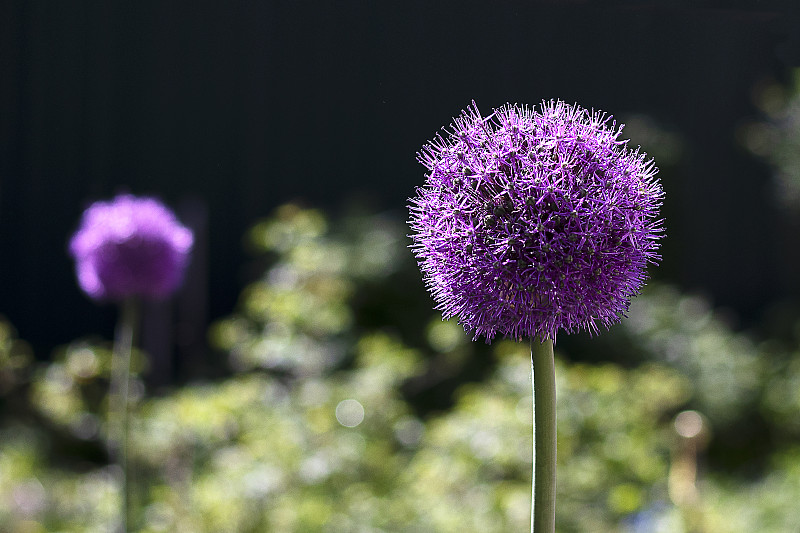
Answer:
(535, 220)
(130, 247)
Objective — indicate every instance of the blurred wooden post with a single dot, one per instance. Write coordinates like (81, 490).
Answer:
(174, 330)
(692, 432)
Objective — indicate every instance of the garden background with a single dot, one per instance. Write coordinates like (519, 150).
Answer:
(284, 134)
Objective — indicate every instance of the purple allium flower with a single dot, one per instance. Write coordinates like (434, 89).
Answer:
(531, 221)
(130, 247)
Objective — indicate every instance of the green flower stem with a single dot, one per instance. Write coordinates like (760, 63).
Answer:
(118, 402)
(543, 505)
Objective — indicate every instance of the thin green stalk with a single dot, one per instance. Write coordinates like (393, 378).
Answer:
(543, 504)
(118, 403)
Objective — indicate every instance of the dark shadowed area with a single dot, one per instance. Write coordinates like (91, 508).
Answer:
(226, 110)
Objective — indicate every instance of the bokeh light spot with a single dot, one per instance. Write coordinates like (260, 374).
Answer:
(688, 424)
(350, 413)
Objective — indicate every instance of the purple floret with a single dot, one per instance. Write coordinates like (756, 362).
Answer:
(535, 220)
(130, 247)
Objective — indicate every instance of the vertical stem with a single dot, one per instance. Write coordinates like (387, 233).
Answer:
(118, 403)
(543, 505)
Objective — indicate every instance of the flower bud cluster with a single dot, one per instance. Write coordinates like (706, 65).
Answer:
(130, 247)
(535, 220)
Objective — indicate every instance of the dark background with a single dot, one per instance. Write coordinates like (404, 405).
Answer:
(228, 110)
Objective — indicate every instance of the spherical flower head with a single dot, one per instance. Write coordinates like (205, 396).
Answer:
(533, 221)
(130, 247)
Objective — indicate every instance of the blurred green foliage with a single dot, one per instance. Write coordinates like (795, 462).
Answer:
(350, 406)
(777, 138)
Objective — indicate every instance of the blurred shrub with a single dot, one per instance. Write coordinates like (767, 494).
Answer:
(325, 424)
(15, 361)
(777, 138)
(682, 330)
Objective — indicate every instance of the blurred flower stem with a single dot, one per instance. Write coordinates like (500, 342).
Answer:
(118, 402)
(543, 504)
